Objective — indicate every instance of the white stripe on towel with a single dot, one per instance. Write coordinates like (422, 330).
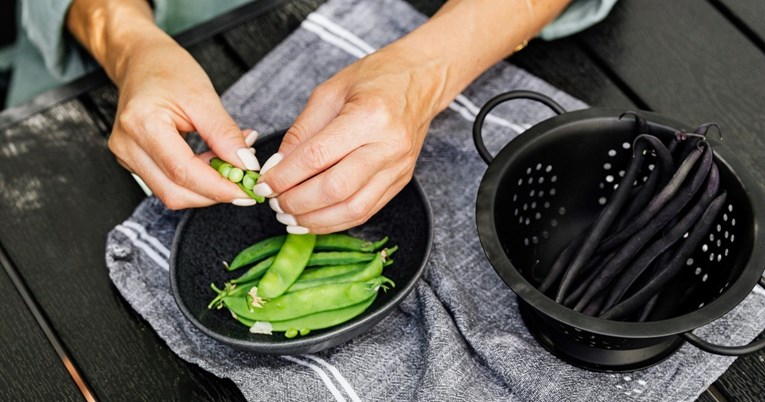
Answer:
(339, 377)
(149, 238)
(324, 377)
(161, 261)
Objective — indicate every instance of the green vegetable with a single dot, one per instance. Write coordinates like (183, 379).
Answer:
(256, 252)
(372, 270)
(307, 301)
(245, 179)
(306, 324)
(287, 266)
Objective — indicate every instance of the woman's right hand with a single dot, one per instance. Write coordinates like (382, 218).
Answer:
(164, 94)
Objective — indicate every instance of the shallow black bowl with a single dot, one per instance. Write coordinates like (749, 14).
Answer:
(208, 236)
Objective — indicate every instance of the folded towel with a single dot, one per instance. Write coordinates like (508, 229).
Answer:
(459, 335)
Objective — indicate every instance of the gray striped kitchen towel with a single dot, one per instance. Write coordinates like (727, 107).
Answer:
(455, 337)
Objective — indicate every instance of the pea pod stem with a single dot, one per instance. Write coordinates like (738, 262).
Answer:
(635, 243)
(647, 256)
(604, 220)
(697, 233)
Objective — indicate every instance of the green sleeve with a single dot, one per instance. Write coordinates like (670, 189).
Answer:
(578, 16)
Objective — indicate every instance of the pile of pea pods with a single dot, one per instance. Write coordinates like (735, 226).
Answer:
(298, 283)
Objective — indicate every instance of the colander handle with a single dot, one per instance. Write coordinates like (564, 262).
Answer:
(504, 97)
(752, 347)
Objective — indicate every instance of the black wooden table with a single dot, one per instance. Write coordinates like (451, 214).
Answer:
(66, 331)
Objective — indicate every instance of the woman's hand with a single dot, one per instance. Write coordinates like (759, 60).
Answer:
(355, 144)
(164, 93)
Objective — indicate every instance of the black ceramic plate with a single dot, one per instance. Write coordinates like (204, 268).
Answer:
(208, 236)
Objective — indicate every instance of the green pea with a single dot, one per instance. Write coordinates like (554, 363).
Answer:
(251, 194)
(372, 270)
(344, 242)
(291, 333)
(287, 266)
(320, 320)
(235, 175)
(256, 252)
(307, 301)
(216, 162)
(248, 182)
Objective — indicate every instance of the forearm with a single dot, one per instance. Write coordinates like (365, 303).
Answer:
(112, 30)
(466, 37)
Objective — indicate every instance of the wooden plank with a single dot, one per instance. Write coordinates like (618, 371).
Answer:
(563, 64)
(747, 15)
(700, 75)
(30, 369)
(62, 191)
(710, 72)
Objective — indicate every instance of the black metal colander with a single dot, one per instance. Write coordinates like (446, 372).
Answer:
(550, 182)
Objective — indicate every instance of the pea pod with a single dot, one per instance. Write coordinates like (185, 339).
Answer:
(344, 257)
(307, 301)
(256, 272)
(372, 270)
(344, 242)
(328, 242)
(287, 266)
(324, 319)
(256, 252)
(330, 270)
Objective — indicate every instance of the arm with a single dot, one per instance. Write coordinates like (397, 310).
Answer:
(327, 177)
(163, 93)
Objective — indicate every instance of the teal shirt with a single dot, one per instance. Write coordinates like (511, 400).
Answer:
(46, 56)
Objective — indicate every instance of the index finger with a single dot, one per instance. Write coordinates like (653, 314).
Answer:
(315, 155)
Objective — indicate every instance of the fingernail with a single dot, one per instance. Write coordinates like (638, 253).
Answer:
(271, 162)
(263, 190)
(244, 202)
(248, 159)
(274, 204)
(286, 219)
(296, 229)
(252, 150)
(251, 138)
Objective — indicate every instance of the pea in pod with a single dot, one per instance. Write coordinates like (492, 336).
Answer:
(244, 179)
(307, 301)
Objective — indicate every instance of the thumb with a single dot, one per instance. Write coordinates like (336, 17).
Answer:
(223, 136)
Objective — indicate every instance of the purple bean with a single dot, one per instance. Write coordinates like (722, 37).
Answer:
(634, 244)
(639, 265)
(658, 177)
(595, 265)
(605, 219)
(695, 236)
(648, 308)
(657, 202)
(560, 263)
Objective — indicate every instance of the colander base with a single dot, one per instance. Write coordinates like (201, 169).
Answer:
(596, 358)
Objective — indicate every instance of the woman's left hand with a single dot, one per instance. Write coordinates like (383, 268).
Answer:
(355, 144)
